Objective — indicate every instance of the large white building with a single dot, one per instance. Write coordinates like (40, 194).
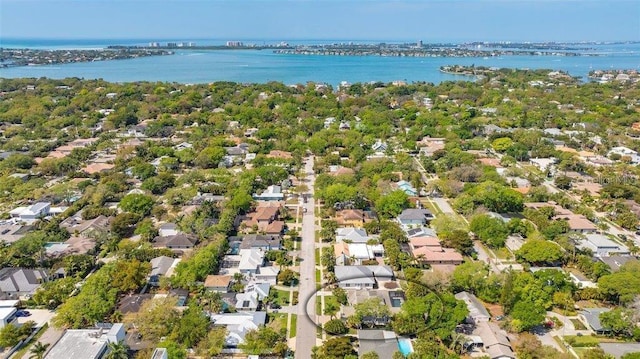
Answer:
(86, 343)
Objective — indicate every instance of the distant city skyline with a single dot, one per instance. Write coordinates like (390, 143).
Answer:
(264, 20)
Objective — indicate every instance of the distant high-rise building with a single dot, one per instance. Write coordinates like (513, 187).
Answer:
(419, 44)
(154, 44)
(172, 44)
(234, 44)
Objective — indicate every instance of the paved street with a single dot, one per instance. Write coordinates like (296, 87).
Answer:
(306, 329)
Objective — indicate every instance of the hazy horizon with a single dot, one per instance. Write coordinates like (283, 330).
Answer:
(322, 20)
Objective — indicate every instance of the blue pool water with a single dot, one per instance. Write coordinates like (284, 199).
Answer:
(405, 347)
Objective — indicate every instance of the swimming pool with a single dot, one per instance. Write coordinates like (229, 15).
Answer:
(405, 347)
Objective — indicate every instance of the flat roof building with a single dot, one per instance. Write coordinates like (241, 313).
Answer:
(86, 343)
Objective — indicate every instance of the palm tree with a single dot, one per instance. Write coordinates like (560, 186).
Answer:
(38, 350)
(117, 350)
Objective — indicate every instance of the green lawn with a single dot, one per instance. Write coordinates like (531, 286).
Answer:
(281, 296)
(318, 277)
(582, 341)
(277, 320)
(317, 255)
(294, 322)
(328, 300)
(578, 324)
(503, 253)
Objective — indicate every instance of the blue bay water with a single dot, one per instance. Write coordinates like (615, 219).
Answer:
(204, 66)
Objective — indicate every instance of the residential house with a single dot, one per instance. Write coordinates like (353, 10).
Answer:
(431, 242)
(581, 281)
(94, 168)
(265, 219)
(415, 217)
(351, 218)
(352, 235)
(379, 146)
(382, 342)
(477, 312)
(267, 275)
(179, 241)
(362, 277)
(133, 302)
(625, 152)
(602, 246)
(253, 294)
(494, 341)
(218, 283)
(355, 253)
(162, 266)
(591, 317)
(168, 229)
(433, 256)
(86, 343)
(259, 241)
(407, 188)
(238, 324)
(578, 223)
(420, 231)
(251, 260)
(428, 146)
(283, 155)
(272, 193)
(78, 226)
(8, 316)
(543, 164)
(18, 283)
(31, 214)
(182, 146)
(340, 171)
(615, 262)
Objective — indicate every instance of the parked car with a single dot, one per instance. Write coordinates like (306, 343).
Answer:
(23, 313)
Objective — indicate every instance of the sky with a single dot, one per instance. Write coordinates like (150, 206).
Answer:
(399, 20)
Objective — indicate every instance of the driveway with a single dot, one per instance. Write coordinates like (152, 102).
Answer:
(444, 205)
(40, 316)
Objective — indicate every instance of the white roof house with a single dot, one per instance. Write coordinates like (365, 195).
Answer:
(601, 245)
(272, 193)
(7, 315)
(238, 324)
(359, 277)
(250, 260)
(32, 213)
(86, 343)
(354, 235)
